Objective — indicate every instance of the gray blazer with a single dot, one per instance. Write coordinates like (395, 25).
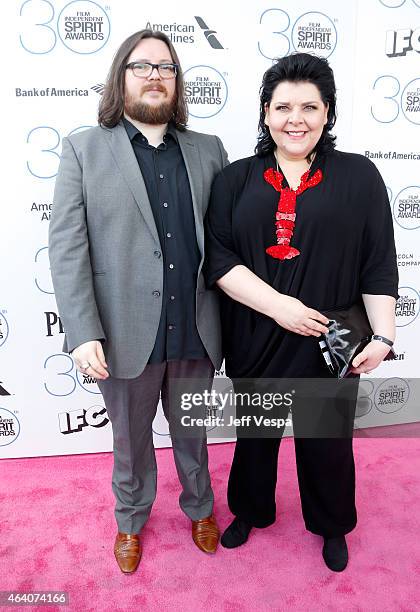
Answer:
(102, 240)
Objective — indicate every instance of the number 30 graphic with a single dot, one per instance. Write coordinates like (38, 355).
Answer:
(44, 156)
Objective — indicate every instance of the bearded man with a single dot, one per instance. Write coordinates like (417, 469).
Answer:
(126, 249)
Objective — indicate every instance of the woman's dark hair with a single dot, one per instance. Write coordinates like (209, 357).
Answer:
(295, 68)
(111, 106)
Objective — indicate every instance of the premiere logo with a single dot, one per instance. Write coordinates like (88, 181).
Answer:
(53, 323)
(399, 42)
(83, 26)
(314, 33)
(206, 91)
(9, 427)
(76, 420)
(392, 395)
(407, 208)
(407, 306)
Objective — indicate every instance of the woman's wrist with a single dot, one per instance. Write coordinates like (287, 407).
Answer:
(276, 305)
(383, 339)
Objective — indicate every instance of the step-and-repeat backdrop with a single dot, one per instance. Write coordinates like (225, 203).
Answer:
(56, 54)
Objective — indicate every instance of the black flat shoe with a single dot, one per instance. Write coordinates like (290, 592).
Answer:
(335, 553)
(236, 534)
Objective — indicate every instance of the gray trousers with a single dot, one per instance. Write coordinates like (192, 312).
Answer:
(131, 405)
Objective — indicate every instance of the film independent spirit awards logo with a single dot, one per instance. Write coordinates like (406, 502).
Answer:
(392, 395)
(407, 307)
(4, 329)
(407, 208)
(9, 427)
(206, 91)
(83, 26)
(312, 32)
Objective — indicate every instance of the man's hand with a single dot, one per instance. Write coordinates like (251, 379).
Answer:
(371, 356)
(90, 359)
(298, 318)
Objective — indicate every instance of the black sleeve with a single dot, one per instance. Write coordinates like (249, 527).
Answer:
(379, 272)
(221, 256)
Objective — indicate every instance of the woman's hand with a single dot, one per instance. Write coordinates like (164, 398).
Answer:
(371, 356)
(294, 316)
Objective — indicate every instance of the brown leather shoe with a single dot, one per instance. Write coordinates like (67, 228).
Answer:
(205, 533)
(127, 551)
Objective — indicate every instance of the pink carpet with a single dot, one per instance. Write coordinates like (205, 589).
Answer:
(57, 532)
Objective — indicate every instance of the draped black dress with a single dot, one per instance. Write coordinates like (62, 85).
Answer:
(343, 231)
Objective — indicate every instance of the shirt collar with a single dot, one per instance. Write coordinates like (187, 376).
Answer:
(132, 131)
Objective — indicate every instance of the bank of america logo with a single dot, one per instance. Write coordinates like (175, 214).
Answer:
(99, 88)
(209, 34)
(3, 390)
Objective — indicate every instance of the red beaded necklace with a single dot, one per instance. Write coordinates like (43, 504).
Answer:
(285, 215)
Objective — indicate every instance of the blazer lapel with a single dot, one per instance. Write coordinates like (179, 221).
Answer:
(194, 168)
(127, 164)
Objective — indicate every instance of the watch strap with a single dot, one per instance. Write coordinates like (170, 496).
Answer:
(383, 339)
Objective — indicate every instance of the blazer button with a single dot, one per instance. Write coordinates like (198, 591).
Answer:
(157, 254)
(156, 294)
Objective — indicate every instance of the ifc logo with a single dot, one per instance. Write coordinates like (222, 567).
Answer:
(206, 91)
(4, 329)
(83, 26)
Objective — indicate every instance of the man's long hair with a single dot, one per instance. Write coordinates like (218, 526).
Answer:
(111, 106)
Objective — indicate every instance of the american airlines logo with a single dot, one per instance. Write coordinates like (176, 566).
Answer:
(209, 34)
(186, 33)
(3, 391)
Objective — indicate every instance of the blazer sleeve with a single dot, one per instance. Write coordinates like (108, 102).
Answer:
(71, 269)
(221, 255)
(223, 153)
(379, 271)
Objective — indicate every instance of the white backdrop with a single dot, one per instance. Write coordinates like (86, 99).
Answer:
(56, 54)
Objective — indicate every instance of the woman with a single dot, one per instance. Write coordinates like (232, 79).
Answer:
(295, 230)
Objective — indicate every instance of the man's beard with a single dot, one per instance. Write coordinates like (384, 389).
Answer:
(150, 114)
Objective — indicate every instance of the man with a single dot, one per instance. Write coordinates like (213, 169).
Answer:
(126, 251)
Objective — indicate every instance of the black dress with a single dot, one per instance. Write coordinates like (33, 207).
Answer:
(344, 232)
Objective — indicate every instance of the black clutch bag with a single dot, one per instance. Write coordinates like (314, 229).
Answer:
(349, 331)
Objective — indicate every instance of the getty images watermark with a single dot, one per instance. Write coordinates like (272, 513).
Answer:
(218, 402)
(308, 408)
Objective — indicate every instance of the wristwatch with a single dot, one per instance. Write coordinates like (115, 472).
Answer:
(382, 339)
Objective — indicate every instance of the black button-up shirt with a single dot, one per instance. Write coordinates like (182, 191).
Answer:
(165, 176)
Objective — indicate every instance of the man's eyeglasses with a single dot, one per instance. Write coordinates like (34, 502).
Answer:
(145, 69)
